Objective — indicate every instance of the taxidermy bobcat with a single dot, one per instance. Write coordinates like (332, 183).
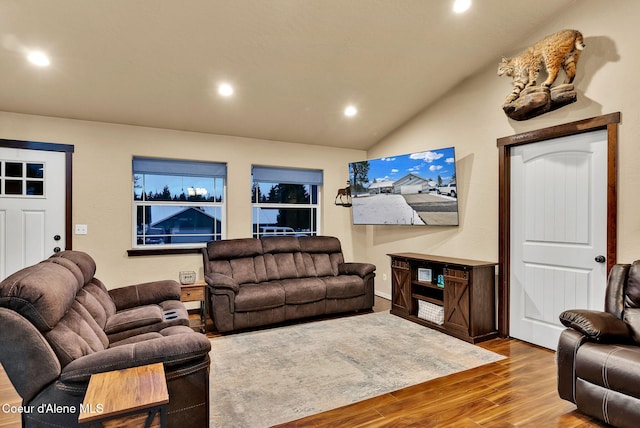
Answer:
(559, 50)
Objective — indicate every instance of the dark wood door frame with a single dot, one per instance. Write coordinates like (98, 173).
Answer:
(610, 123)
(67, 149)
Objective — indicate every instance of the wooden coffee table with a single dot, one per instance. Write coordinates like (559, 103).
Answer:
(135, 397)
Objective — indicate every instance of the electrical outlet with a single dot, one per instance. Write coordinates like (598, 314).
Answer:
(384, 276)
(81, 229)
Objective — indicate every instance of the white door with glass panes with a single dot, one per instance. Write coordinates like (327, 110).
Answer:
(558, 233)
(32, 207)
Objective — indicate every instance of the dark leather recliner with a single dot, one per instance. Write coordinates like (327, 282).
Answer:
(599, 353)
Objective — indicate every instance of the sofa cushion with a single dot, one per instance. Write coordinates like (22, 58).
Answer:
(284, 266)
(84, 261)
(75, 335)
(73, 267)
(233, 248)
(99, 291)
(137, 338)
(174, 351)
(632, 289)
(170, 317)
(167, 331)
(615, 367)
(322, 264)
(133, 318)
(256, 297)
(223, 267)
(320, 244)
(321, 254)
(303, 290)
(282, 257)
(147, 293)
(42, 293)
(280, 244)
(631, 317)
(93, 305)
(343, 286)
(243, 270)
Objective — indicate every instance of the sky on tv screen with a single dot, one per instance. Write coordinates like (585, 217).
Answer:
(428, 164)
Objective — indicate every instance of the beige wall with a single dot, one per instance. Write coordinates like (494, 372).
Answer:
(102, 188)
(470, 118)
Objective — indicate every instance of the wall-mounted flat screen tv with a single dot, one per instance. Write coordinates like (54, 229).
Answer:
(416, 189)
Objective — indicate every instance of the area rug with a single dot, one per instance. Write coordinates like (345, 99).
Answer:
(268, 377)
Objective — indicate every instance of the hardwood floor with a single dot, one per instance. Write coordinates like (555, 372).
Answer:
(519, 391)
(8, 396)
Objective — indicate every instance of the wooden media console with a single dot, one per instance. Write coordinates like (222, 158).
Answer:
(463, 289)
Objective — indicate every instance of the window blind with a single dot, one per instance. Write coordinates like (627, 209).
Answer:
(178, 167)
(268, 174)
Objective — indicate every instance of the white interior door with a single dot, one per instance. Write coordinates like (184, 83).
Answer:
(32, 207)
(558, 229)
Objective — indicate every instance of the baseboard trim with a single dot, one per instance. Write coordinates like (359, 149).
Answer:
(383, 295)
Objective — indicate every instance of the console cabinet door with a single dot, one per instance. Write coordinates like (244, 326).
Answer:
(400, 287)
(456, 300)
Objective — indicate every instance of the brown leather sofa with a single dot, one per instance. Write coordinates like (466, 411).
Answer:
(599, 353)
(256, 282)
(59, 325)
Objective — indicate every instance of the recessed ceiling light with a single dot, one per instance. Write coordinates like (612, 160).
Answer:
(350, 111)
(225, 89)
(460, 6)
(38, 58)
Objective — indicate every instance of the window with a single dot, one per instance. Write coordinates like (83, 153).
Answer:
(21, 179)
(285, 201)
(177, 202)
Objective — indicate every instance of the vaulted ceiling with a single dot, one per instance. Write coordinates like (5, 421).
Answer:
(294, 64)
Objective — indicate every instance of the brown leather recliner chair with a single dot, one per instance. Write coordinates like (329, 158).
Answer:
(599, 353)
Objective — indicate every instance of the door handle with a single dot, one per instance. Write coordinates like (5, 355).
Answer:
(600, 259)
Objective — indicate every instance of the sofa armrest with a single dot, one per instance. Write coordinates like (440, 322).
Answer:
(171, 350)
(360, 269)
(596, 325)
(148, 293)
(568, 343)
(219, 281)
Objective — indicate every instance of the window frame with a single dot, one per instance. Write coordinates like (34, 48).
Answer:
(296, 176)
(181, 169)
(24, 179)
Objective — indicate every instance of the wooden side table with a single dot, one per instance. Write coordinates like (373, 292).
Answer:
(135, 397)
(196, 292)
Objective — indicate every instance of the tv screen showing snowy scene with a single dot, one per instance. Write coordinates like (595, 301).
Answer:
(416, 189)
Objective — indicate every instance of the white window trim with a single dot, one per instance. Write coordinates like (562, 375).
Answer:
(137, 203)
(272, 205)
